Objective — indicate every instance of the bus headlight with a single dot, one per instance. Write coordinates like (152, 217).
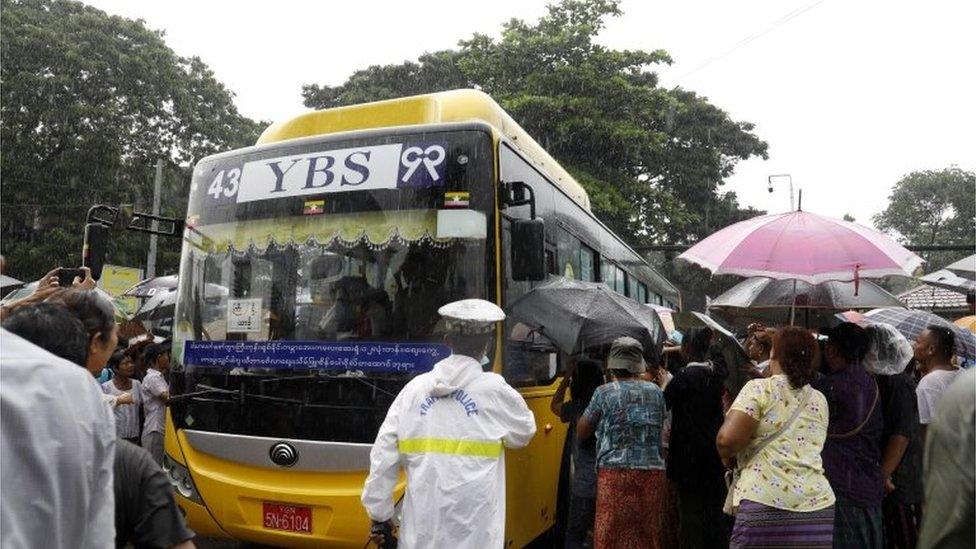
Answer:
(179, 478)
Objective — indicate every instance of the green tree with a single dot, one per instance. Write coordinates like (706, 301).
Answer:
(933, 207)
(88, 103)
(600, 111)
(652, 159)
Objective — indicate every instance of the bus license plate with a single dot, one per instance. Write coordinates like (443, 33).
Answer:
(290, 518)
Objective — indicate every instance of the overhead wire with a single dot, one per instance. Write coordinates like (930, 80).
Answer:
(754, 36)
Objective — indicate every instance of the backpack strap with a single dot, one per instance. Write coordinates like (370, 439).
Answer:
(856, 430)
(807, 391)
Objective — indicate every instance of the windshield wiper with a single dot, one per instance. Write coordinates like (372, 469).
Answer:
(236, 396)
(320, 377)
(207, 391)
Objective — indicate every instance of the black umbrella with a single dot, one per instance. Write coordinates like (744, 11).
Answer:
(911, 323)
(736, 358)
(579, 315)
(766, 293)
(773, 301)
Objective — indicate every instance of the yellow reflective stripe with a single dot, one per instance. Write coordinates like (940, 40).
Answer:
(477, 448)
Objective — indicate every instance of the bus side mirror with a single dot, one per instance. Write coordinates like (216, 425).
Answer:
(528, 246)
(93, 252)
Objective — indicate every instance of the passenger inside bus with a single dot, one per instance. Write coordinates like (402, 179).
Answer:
(332, 314)
(421, 290)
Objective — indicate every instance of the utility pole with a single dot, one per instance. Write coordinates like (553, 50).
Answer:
(157, 185)
(781, 175)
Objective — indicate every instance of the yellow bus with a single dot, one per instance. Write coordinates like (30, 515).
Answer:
(312, 269)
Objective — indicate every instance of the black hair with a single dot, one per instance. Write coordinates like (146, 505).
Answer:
(152, 353)
(696, 342)
(94, 311)
(970, 297)
(53, 328)
(472, 345)
(945, 340)
(585, 380)
(116, 359)
(850, 340)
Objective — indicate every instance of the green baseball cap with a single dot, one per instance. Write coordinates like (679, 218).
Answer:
(626, 353)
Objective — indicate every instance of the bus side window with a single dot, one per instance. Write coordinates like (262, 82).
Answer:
(641, 292)
(587, 264)
(530, 359)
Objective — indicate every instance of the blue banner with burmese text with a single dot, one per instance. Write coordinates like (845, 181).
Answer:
(368, 357)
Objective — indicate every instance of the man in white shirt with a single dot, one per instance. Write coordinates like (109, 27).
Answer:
(934, 350)
(448, 429)
(57, 448)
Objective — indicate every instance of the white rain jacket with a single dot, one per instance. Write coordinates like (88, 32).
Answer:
(447, 429)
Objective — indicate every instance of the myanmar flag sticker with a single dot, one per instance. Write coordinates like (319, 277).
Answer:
(456, 199)
(314, 207)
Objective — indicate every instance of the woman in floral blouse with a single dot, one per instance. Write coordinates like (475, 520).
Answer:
(774, 432)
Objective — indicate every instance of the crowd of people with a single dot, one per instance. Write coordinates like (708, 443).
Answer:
(849, 436)
(82, 459)
(823, 448)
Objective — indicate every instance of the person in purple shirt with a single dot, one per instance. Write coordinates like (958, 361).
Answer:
(852, 452)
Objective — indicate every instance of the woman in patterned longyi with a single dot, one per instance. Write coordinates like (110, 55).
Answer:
(626, 415)
(775, 432)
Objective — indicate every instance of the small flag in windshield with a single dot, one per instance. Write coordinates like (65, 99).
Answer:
(314, 207)
(456, 199)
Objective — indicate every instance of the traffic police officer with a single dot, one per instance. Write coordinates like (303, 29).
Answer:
(447, 428)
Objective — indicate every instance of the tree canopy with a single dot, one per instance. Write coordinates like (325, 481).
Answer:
(89, 102)
(652, 159)
(933, 207)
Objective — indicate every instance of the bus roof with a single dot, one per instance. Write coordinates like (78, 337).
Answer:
(433, 108)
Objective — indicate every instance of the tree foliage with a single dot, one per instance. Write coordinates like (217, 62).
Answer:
(599, 111)
(652, 159)
(89, 102)
(933, 207)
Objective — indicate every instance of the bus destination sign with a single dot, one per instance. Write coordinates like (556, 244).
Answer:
(400, 165)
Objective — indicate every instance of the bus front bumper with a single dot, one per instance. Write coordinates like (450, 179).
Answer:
(227, 499)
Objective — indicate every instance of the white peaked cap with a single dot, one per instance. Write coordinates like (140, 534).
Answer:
(471, 315)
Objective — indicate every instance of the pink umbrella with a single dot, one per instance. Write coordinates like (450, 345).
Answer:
(802, 246)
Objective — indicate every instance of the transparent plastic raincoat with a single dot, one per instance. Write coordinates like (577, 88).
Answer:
(448, 429)
(889, 352)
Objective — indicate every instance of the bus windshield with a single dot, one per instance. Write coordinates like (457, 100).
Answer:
(334, 285)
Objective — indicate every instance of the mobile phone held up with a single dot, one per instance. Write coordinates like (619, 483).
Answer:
(66, 277)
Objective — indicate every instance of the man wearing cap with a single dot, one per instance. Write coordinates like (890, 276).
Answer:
(627, 415)
(447, 429)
